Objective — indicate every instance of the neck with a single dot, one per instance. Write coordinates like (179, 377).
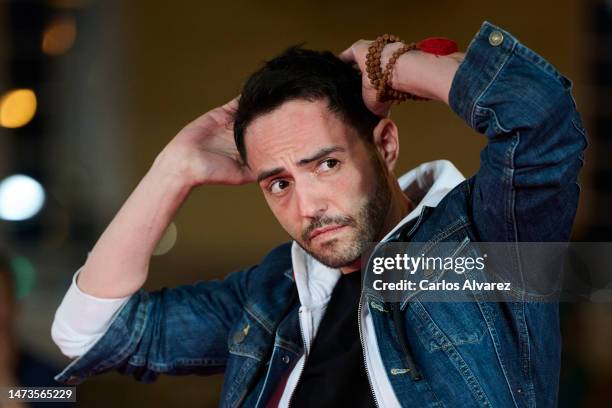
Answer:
(400, 206)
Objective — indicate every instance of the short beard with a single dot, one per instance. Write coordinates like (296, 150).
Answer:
(368, 226)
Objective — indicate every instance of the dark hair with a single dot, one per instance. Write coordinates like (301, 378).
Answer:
(299, 73)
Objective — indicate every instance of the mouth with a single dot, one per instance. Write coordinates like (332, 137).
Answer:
(320, 232)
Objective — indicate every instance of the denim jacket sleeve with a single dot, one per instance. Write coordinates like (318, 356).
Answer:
(176, 331)
(526, 187)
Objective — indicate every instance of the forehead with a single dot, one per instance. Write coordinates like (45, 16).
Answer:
(293, 129)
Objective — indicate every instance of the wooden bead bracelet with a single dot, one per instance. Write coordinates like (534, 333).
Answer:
(381, 80)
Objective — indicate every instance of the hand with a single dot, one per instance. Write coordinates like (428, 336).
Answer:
(356, 54)
(204, 151)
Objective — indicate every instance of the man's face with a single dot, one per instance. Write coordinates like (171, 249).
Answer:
(320, 180)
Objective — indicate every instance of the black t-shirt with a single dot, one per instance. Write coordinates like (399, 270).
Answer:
(334, 374)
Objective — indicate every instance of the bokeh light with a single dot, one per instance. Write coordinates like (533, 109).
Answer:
(167, 240)
(21, 197)
(59, 36)
(17, 108)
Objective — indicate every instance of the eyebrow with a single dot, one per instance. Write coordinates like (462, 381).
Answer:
(321, 153)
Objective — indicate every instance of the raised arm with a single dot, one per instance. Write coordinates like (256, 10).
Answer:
(105, 300)
(526, 188)
(202, 153)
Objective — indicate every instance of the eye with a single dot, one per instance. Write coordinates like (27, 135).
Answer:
(278, 186)
(327, 165)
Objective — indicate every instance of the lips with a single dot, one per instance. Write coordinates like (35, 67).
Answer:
(323, 230)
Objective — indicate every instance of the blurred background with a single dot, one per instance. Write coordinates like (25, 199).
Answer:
(92, 90)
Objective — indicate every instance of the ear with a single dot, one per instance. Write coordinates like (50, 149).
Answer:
(386, 141)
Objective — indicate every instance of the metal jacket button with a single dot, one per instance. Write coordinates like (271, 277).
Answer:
(496, 38)
(240, 335)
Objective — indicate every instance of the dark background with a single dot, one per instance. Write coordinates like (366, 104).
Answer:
(138, 71)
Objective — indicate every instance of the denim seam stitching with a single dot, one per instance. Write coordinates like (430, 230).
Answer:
(254, 356)
(518, 261)
(233, 395)
(531, 390)
(141, 315)
(74, 364)
(286, 345)
(486, 88)
(418, 222)
(166, 367)
(455, 227)
(451, 351)
(265, 380)
(259, 319)
(494, 339)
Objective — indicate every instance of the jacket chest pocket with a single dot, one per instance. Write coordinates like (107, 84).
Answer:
(451, 317)
(248, 337)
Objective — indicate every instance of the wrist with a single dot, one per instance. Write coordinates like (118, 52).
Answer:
(422, 73)
(171, 167)
(385, 55)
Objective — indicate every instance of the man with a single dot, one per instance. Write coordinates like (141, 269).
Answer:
(295, 329)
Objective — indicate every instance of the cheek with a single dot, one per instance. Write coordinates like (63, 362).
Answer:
(351, 191)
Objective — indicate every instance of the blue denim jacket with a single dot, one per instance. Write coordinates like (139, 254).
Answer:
(469, 354)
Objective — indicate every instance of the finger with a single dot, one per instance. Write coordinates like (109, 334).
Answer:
(380, 109)
(385, 110)
(249, 176)
(232, 105)
(347, 55)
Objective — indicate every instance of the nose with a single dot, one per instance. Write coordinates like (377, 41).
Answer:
(312, 200)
